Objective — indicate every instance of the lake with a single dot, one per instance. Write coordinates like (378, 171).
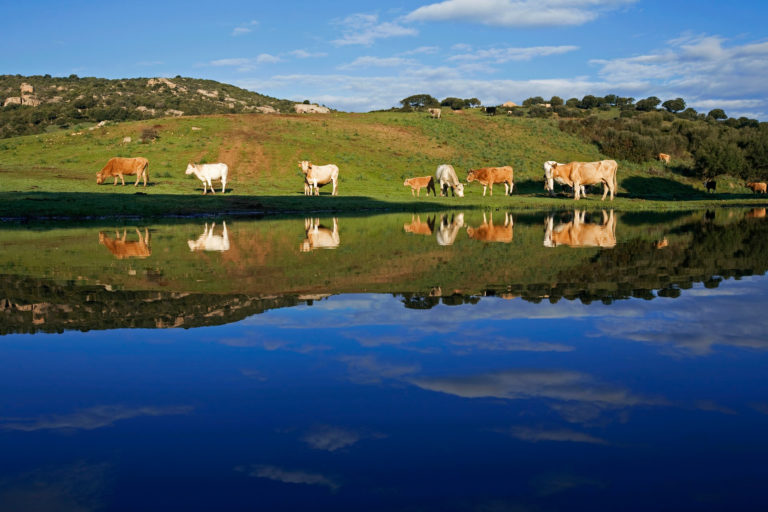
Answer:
(450, 361)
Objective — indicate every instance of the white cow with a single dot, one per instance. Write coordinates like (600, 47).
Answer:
(316, 176)
(447, 232)
(208, 172)
(210, 242)
(446, 177)
(435, 113)
(550, 180)
(319, 236)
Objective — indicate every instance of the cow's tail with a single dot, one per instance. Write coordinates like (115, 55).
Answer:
(145, 172)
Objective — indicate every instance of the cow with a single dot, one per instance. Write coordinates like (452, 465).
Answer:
(122, 249)
(491, 111)
(487, 176)
(210, 242)
(449, 230)
(319, 236)
(417, 227)
(758, 187)
(435, 113)
(660, 244)
(549, 180)
(577, 174)
(578, 233)
(487, 232)
(711, 185)
(663, 157)
(756, 213)
(418, 183)
(316, 176)
(208, 172)
(119, 167)
(446, 177)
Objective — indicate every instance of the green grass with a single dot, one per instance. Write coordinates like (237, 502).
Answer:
(53, 174)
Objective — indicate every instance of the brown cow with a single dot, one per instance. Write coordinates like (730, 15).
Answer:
(487, 232)
(418, 183)
(756, 213)
(122, 249)
(587, 173)
(758, 187)
(417, 227)
(665, 158)
(118, 167)
(660, 244)
(487, 176)
(577, 233)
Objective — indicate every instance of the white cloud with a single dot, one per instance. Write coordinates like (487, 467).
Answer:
(304, 54)
(238, 61)
(500, 55)
(422, 50)
(516, 13)
(365, 29)
(379, 62)
(88, 419)
(246, 63)
(267, 58)
(239, 31)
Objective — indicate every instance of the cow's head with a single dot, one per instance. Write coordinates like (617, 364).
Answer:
(459, 190)
(470, 176)
(99, 178)
(304, 165)
(407, 182)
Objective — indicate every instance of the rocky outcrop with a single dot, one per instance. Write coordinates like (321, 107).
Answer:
(303, 108)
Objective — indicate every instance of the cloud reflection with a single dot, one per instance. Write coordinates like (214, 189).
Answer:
(292, 476)
(88, 419)
(559, 435)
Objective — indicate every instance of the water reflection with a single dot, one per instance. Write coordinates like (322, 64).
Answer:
(450, 225)
(319, 236)
(756, 213)
(210, 242)
(487, 232)
(579, 233)
(122, 249)
(417, 227)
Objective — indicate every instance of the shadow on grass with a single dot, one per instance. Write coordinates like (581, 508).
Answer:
(661, 188)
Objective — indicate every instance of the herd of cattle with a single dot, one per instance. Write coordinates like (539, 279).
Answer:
(576, 175)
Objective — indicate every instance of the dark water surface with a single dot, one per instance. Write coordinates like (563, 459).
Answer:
(446, 362)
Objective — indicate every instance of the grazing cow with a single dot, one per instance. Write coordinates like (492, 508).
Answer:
(487, 232)
(665, 158)
(577, 174)
(210, 242)
(710, 185)
(757, 187)
(487, 176)
(315, 176)
(756, 213)
(577, 233)
(660, 244)
(119, 167)
(122, 249)
(319, 236)
(435, 113)
(208, 172)
(446, 177)
(418, 183)
(549, 180)
(449, 230)
(417, 227)
(491, 111)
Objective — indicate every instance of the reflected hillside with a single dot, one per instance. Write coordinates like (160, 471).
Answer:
(198, 273)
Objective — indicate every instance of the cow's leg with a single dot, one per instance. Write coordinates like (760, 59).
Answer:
(490, 185)
(122, 178)
(485, 187)
(605, 190)
(210, 186)
(115, 183)
(576, 190)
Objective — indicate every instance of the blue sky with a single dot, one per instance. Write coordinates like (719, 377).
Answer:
(363, 55)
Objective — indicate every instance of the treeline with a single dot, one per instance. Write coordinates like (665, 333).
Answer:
(66, 101)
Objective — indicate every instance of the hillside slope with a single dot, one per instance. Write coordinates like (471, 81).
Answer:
(34, 104)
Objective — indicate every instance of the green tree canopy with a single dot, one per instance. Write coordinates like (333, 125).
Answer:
(419, 101)
(675, 105)
(717, 113)
(648, 104)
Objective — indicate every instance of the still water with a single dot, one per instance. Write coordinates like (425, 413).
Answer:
(458, 361)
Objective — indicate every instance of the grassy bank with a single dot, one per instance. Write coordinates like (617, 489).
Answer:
(53, 175)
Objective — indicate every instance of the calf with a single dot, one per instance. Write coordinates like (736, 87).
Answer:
(418, 183)
(758, 187)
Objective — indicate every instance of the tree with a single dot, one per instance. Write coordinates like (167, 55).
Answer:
(588, 101)
(556, 101)
(648, 104)
(625, 102)
(689, 113)
(534, 100)
(611, 99)
(454, 103)
(473, 102)
(419, 101)
(675, 105)
(717, 113)
(572, 102)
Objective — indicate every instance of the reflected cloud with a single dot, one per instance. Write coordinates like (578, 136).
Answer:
(369, 370)
(292, 477)
(560, 435)
(88, 419)
(331, 438)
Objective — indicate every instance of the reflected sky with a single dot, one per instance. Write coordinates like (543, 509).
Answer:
(355, 402)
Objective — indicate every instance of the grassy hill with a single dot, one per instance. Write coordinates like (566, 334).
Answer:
(52, 174)
(35, 104)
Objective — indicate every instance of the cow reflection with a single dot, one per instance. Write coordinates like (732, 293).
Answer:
(487, 232)
(123, 249)
(210, 242)
(449, 230)
(756, 213)
(417, 227)
(319, 236)
(578, 233)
